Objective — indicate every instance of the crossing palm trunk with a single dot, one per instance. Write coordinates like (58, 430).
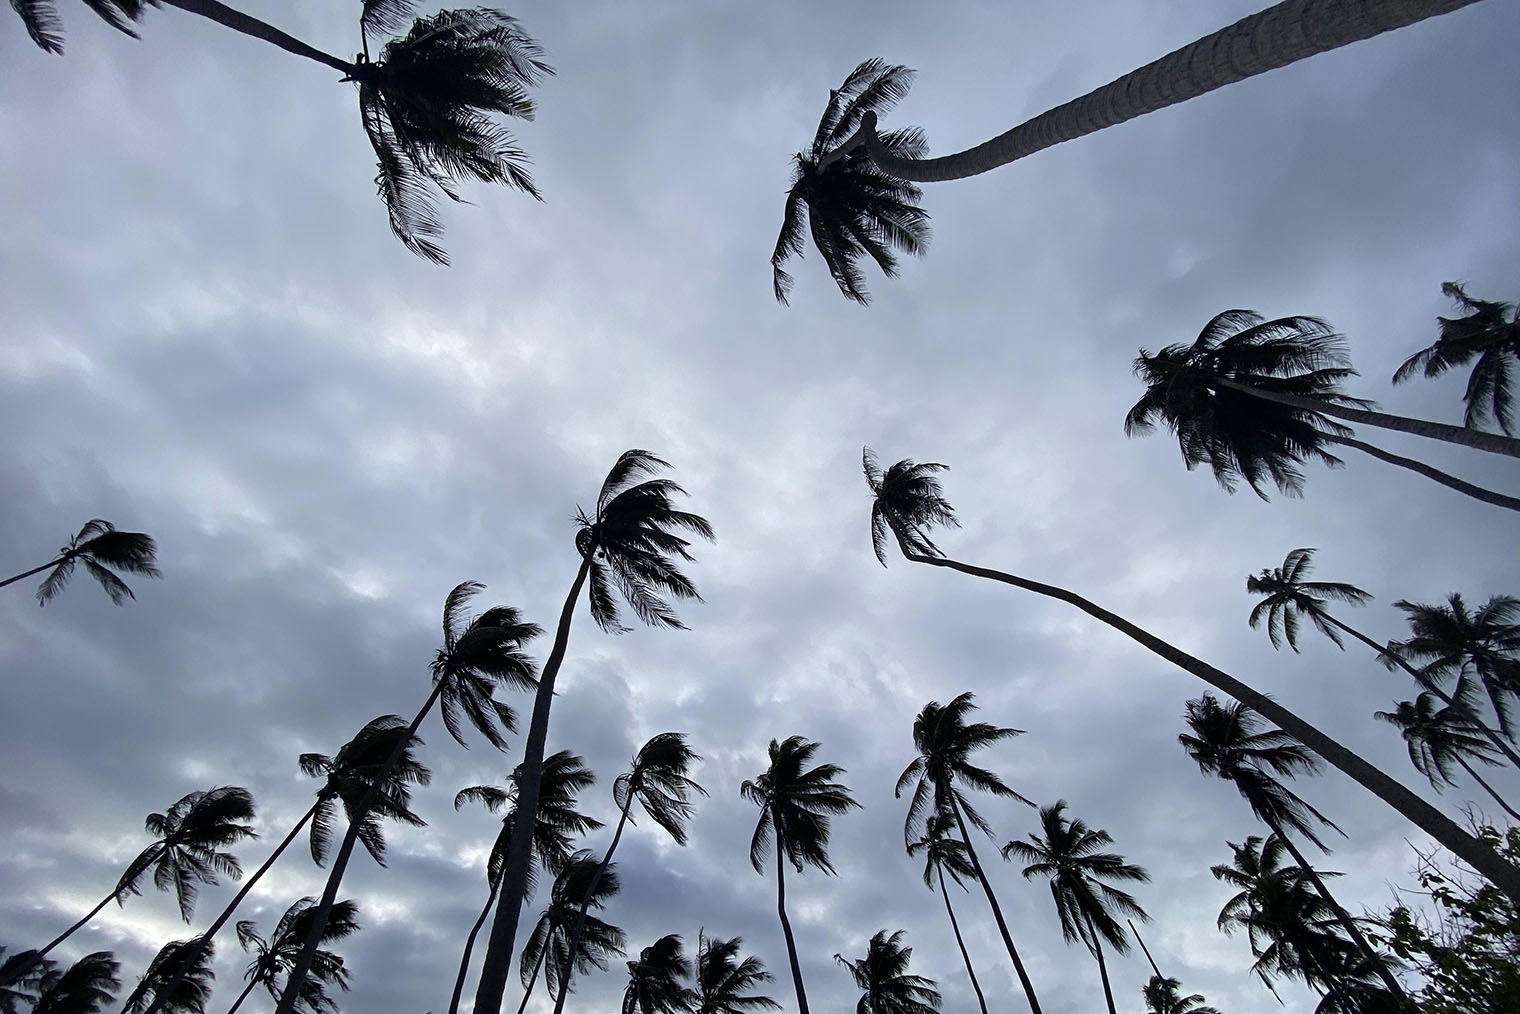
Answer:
(955, 926)
(533, 980)
(35, 570)
(1487, 788)
(1449, 481)
(250, 26)
(786, 925)
(580, 917)
(242, 996)
(469, 946)
(1097, 949)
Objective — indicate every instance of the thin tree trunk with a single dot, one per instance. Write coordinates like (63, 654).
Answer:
(1494, 443)
(533, 981)
(997, 913)
(1097, 949)
(242, 996)
(1280, 35)
(1487, 788)
(1449, 481)
(580, 918)
(35, 570)
(786, 926)
(1141, 941)
(240, 22)
(498, 959)
(1433, 822)
(70, 931)
(469, 945)
(980, 999)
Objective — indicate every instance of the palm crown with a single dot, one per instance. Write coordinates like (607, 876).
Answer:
(942, 850)
(187, 988)
(909, 501)
(1438, 737)
(276, 956)
(479, 654)
(888, 987)
(945, 743)
(40, 17)
(1488, 332)
(1164, 996)
(349, 776)
(1451, 640)
(850, 207)
(796, 805)
(724, 979)
(102, 549)
(549, 943)
(190, 838)
(658, 780)
(655, 981)
(85, 987)
(1288, 595)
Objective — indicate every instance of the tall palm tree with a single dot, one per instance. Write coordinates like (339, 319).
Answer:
(1438, 737)
(276, 956)
(656, 982)
(1164, 996)
(945, 742)
(797, 805)
(426, 103)
(943, 852)
(658, 779)
(558, 823)
(181, 974)
(1253, 399)
(1488, 332)
(1448, 641)
(852, 209)
(85, 987)
(1282, 34)
(1067, 853)
(887, 987)
(909, 502)
(479, 655)
(1229, 741)
(723, 979)
(100, 547)
(549, 941)
(630, 541)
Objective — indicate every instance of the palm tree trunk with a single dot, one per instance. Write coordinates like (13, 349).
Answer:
(786, 926)
(35, 570)
(528, 989)
(242, 996)
(997, 913)
(1097, 949)
(1141, 941)
(1494, 443)
(1444, 478)
(498, 959)
(36, 958)
(1487, 787)
(580, 917)
(469, 945)
(240, 22)
(302, 968)
(1433, 822)
(1280, 35)
(980, 999)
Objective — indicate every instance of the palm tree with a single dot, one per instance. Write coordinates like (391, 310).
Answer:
(655, 981)
(479, 655)
(425, 104)
(942, 851)
(657, 779)
(723, 979)
(549, 942)
(100, 547)
(22, 975)
(887, 986)
(1252, 398)
(1488, 332)
(1450, 641)
(945, 743)
(84, 988)
(1068, 854)
(797, 804)
(852, 208)
(558, 823)
(277, 955)
(909, 502)
(181, 974)
(1288, 596)
(1438, 737)
(1163, 996)
(630, 542)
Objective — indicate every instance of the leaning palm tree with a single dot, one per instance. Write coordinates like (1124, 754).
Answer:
(630, 541)
(723, 979)
(100, 547)
(658, 779)
(1489, 333)
(1450, 641)
(1067, 853)
(1253, 399)
(945, 742)
(1164, 996)
(942, 853)
(885, 983)
(549, 941)
(85, 987)
(178, 979)
(656, 982)
(1440, 737)
(909, 502)
(275, 957)
(1285, 33)
(479, 655)
(797, 804)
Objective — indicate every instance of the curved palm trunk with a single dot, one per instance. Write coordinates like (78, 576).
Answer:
(1097, 949)
(1487, 787)
(786, 925)
(92, 913)
(1444, 478)
(533, 981)
(469, 946)
(1433, 822)
(514, 876)
(1494, 443)
(980, 999)
(1280, 35)
(580, 917)
(242, 996)
(997, 913)
(1141, 941)
(240, 22)
(35, 570)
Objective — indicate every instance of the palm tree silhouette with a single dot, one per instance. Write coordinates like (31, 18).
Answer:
(655, 981)
(853, 209)
(40, 17)
(1252, 398)
(945, 743)
(181, 974)
(629, 541)
(557, 824)
(1450, 641)
(909, 501)
(85, 987)
(1163, 996)
(723, 979)
(479, 655)
(549, 942)
(1067, 853)
(658, 780)
(100, 547)
(1438, 737)
(1488, 332)
(797, 804)
(883, 976)
(277, 955)
(943, 852)
(21, 977)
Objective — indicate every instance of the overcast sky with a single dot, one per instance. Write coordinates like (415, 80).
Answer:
(211, 336)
